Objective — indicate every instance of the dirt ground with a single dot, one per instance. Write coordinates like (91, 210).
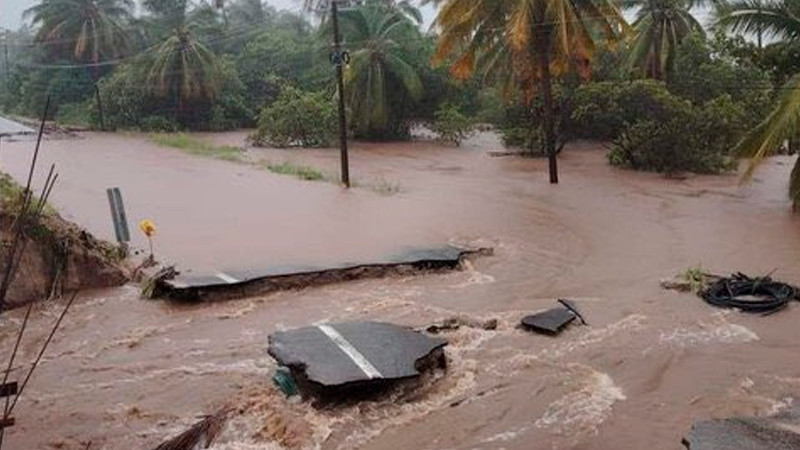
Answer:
(126, 373)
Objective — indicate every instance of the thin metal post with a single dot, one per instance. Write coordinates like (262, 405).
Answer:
(339, 62)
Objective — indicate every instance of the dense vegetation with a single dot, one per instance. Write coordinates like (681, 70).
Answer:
(669, 93)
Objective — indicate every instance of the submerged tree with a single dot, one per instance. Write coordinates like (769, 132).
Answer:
(780, 19)
(659, 29)
(527, 42)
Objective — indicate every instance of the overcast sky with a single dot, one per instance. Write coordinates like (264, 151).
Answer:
(11, 10)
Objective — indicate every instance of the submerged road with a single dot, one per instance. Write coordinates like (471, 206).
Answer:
(127, 373)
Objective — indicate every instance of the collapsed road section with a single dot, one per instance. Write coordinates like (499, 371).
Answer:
(354, 358)
(229, 284)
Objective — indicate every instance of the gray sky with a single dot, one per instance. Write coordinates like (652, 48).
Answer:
(11, 10)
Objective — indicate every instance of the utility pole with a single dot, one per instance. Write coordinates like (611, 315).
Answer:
(5, 61)
(339, 59)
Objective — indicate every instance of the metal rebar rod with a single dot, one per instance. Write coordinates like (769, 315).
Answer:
(41, 353)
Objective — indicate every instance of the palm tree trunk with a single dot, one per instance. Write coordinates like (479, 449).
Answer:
(548, 125)
(95, 73)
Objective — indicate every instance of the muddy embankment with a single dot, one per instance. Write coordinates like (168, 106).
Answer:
(58, 256)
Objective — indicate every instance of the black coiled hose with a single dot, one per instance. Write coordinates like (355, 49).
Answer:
(753, 295)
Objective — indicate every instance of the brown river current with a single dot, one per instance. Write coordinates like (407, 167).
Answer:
(125, 373)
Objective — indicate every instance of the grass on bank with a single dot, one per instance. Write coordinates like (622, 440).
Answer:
(12, 196)
(302, 172)
(308, 173)
(197, 147)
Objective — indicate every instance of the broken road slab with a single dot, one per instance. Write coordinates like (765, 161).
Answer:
(11, 128)
(238, 283)
(330, 358)
(778, 432)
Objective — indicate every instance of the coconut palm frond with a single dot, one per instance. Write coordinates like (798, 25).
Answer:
(780, 19)
(782, 124)
(200, 435)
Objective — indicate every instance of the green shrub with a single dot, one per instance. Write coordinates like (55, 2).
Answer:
(297, 118)
(128, 103)
(687, 141)
(78, 113)
(602, 110)
(159, 124)
(451, 125)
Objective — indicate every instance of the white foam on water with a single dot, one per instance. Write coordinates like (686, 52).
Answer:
(718, 331)
(354, 425)
(505, 436)
(585, 408)
(475, 277)
(633, 322)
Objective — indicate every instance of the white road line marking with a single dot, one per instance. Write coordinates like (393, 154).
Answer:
(356, 356)
(227, 278)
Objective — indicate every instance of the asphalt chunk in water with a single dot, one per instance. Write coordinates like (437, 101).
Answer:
(552, 321)
(778, 432)
(332, 358)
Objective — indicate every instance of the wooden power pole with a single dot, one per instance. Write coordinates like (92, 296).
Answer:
(339, 59)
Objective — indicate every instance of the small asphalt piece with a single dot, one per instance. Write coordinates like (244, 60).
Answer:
(553, 321)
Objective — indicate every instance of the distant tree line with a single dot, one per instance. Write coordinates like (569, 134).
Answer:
(542, 72)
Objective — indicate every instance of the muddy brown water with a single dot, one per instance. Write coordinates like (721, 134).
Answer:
(126, 373)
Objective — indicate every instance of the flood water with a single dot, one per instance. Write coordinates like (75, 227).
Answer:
(126, 373)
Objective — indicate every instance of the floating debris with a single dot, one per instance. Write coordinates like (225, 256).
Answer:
(753, 295)
(354, 356)
(454, 323)
(200, 435)
(553, 321)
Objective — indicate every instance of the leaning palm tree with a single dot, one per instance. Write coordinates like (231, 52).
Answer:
(379, 77)
(778, 19)
(86, 31)
(528, 43)
(659, 29)
(181, 67)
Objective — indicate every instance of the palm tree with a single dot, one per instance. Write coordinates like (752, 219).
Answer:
(379, 78)
(181, 67)
(659, 28)
(779, 19)
(527, 42)
(86, 31)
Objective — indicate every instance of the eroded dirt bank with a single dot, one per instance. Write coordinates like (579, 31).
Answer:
(126, 373)
(58, 257)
